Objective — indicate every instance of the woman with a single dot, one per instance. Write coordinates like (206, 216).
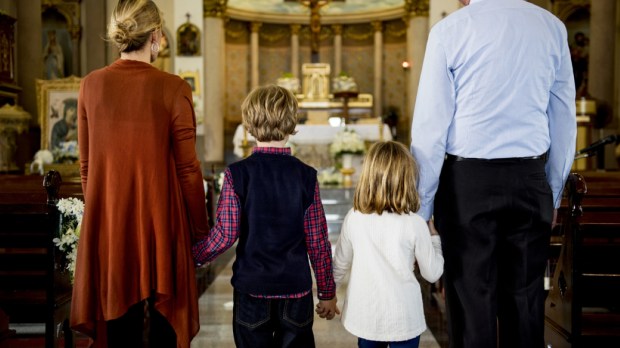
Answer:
(144, 194)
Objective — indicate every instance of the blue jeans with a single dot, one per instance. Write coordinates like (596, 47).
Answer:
(412, 343)
(271, 323)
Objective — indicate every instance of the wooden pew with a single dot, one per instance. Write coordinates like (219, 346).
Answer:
(34, 288)
(583, 305)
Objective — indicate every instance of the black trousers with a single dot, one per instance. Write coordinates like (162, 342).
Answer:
(273, 323)
(141, 326)
(494, 218)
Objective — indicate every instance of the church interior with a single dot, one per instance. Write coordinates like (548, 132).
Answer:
(353, 63)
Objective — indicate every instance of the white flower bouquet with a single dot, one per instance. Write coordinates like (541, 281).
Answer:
(68, 151)
(329, 176)
(347, 141)
(72, 210)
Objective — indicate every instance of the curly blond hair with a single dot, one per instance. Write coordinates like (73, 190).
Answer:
(132, 23)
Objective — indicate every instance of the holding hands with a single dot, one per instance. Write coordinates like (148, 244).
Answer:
(327, 309)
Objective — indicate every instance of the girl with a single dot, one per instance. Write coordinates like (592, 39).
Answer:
(380, 241)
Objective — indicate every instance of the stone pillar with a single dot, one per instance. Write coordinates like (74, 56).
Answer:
(215, 80)
(337, 29)
(295, 28)
(28, 53)
(378, 90)
(417, 35)
(255, 28)
(601, 68)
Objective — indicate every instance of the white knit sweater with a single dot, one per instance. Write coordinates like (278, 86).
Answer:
(383, 299)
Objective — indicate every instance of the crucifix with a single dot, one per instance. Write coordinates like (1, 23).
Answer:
(315, 26)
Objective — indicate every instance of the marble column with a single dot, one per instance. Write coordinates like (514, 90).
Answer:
(417, 35)
(337, 30)
(378, 83)
(601, 67)
(215, 81)
(295, 28)
(255, 29)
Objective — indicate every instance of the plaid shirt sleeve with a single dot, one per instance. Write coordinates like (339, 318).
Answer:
(319, 247)
(226, 230)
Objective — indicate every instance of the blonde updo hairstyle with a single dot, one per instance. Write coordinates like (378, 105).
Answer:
(388, 181)
(132, 23)
(269, 113)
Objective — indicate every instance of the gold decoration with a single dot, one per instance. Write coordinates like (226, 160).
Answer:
(396, 29)
(215, 8)
(337, 29)
(236, 29)
(51, 96)
(377, 25)
(358, 32)
(295, 29)
(417, 8)
(255, 27)
(274, 33)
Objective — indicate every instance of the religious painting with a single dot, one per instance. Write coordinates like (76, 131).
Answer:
(57, 105)
(192, 79)
(57, 56)
(188, 40)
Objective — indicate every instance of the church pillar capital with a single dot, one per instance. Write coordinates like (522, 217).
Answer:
(377, 25)
(337, 29)
(295, 29)
(255, 27)
(214, 8)
(416, 8)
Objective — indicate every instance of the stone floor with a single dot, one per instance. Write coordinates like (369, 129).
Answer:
(215, 307)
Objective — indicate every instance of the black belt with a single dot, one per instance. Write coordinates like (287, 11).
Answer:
(454, 158)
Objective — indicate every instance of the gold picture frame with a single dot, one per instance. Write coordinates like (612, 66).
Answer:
(193, 79)
(55, 101)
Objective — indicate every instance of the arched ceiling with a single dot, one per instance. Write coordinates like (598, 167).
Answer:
(294, 12)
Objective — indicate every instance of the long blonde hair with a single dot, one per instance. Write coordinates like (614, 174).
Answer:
(388, 181)
(132, 23)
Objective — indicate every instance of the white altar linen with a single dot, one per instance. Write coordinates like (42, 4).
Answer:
(313, 140)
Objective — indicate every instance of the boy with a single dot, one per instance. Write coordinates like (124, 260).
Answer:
(270, 201)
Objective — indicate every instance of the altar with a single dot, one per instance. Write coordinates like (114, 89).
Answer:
(311, 143)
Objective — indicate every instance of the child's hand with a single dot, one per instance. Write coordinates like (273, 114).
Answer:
(327, 309)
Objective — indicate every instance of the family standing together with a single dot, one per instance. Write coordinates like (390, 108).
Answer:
(492, 142)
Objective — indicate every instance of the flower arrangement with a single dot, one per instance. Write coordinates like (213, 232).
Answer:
(72, 210)
(329, 176)
(347, 141)
(68, 151)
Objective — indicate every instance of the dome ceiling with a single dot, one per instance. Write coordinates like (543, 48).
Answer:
(333, 8)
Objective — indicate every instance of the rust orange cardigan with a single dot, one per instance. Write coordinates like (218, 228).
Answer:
(144, 198)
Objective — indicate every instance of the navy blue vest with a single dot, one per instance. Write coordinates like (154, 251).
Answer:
(274, 193)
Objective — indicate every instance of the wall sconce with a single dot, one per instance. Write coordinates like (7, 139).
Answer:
(406, 65)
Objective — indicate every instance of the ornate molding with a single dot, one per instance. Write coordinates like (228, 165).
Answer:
(416, 8)
(255, 27)
(337, 29)
(377, 25)
(215, 8)
(295, 29)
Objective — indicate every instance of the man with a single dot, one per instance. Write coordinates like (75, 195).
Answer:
(494, 134)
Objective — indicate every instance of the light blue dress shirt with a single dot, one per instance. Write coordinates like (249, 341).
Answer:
(497, 82)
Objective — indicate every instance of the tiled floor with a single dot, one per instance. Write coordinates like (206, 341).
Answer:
(216, 317)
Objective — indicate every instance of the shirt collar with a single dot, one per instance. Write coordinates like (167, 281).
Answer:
(272, 150)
